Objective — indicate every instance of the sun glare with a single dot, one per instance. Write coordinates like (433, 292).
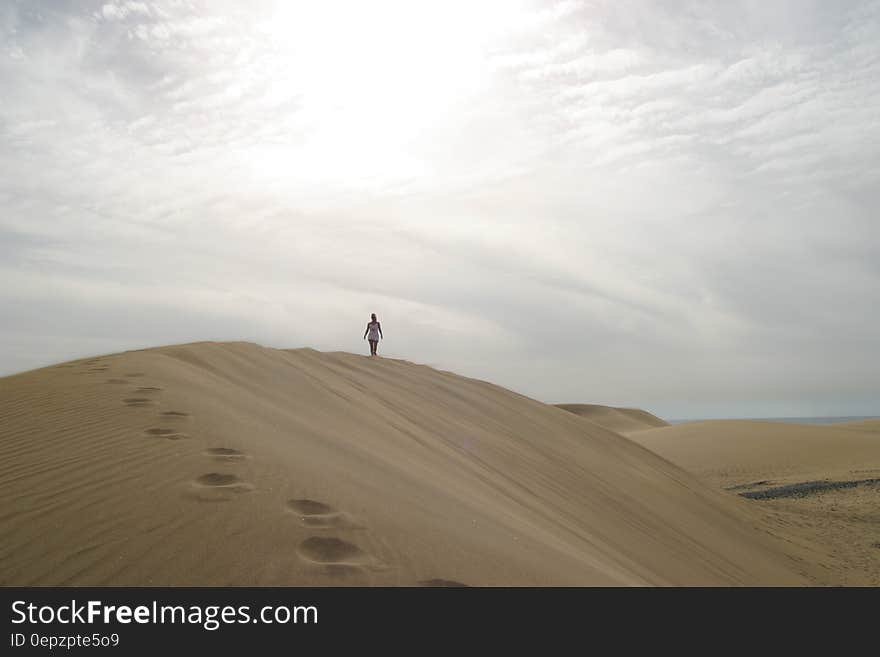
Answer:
(370, 77)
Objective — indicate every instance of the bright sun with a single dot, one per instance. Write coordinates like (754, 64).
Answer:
(373, 76)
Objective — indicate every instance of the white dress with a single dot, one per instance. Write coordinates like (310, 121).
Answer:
(374, 331)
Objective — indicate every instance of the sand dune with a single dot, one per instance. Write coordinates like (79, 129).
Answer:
(234, 464)
(620, 420)
(816, 484)
(860, 425)
(731, 451)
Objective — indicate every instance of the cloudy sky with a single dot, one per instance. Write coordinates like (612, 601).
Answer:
(671, 205)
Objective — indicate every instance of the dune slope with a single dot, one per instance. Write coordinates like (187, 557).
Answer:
(619, 420)
(816, 484)
(234, 464)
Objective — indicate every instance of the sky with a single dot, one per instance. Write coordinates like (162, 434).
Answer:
(670, 205)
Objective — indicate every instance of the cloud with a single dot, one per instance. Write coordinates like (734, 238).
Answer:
(119, 11)
(668, 205)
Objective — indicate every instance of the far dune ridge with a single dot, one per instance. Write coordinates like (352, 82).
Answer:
(235, 464)
(729, 450)
(620, 420)
(872, 425)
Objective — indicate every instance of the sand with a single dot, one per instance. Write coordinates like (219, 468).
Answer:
(234, 464)
(732, 452)
(619, 420)
(872, 426)
(817, 485)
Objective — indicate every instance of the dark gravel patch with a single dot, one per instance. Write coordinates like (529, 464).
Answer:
(805, 488)
(754, 484)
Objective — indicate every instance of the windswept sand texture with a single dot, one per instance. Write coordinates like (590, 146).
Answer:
(872, 426)
(818, 484)
(619, 420)
(234, 464)
(731, 452)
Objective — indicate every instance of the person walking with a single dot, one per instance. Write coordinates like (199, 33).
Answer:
(374, 331)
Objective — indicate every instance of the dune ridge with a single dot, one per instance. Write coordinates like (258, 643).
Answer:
(236, 464)
(729, 450)
(619, 420)
(860, 425)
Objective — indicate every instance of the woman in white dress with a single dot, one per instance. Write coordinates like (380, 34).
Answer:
(374, 331)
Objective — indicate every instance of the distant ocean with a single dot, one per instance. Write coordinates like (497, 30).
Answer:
(791, 420)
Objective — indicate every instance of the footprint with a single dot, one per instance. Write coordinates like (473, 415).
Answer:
(331, 550)
(174, 414)
(218, 487)
(448, 583)
(310, 507)
(146, 389)
(116, 381)
(218, 479)
(98, 369)
(222, 482)
(317, 514)
(225, 454)
(137, 401)
(170, 434)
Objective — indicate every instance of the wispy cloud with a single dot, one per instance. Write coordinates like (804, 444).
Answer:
(663, 204)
